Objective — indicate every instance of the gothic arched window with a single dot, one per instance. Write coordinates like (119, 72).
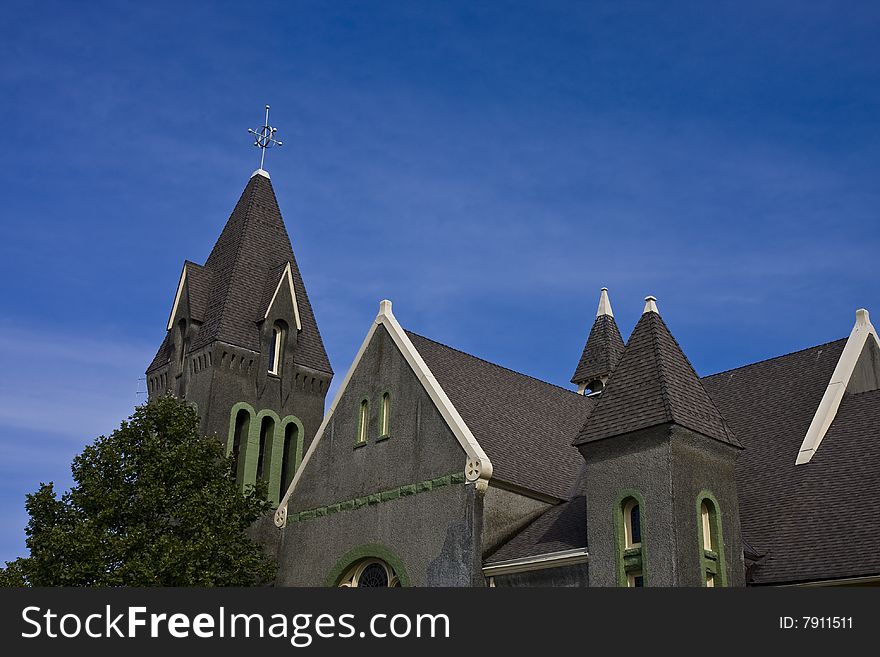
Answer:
(276, 348)
(363, 422)
(385, 417)
(370, 573)
(631, 552)
(711, 542)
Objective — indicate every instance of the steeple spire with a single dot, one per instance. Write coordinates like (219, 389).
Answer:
(602, 350)
(604, 304)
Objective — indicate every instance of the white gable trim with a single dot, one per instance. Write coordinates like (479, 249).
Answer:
(177, 297)
(288, 274)
(478, 467)
(827, 411)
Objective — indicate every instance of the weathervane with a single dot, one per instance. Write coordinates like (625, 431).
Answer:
(264, 138)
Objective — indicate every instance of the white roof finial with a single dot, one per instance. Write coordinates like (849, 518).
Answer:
(604, 304)
(650, 305)
(862, 317)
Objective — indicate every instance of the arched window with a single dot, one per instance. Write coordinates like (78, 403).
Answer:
(385, 417)
(239, 442)
(288, 460)
(631, 557)
(370, 573)
(632, 523)
(267, 432)
(711, 542)
(276, 347)
(363, 422)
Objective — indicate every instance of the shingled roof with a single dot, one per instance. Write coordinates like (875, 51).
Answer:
(654, 384)
(815, 521)
(523, 424)
(230, 289)
(603, 348)
(559, 528)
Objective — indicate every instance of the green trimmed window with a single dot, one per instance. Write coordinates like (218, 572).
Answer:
(632, 560)
(239, 442)
(711, 543)
(363, 422)
(267, 433)
(370, 573)
(385, 416)
(288, 458)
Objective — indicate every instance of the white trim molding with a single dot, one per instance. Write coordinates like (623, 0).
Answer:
(827, 411)
(288, 273)
(177, 297)
(537, 562)
(478, 467)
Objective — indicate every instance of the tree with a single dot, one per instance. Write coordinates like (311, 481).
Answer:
(153, 504)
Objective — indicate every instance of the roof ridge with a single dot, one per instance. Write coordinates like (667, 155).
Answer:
(489, 362)
(664, 392)
(767, 360)
(237, 261)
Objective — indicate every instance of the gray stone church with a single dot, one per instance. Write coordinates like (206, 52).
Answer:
(433, 467)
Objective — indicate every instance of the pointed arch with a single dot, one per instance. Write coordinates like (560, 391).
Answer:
(287, 455)
(242, 427)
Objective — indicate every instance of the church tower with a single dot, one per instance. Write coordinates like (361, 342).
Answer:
(662, 506)
(243, 346)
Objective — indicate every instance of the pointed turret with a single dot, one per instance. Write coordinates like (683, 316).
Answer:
(654, 384)
(233, 289)
(657, 456)
(602, 350)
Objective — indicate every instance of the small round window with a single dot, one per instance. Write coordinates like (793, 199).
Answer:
(370, 573)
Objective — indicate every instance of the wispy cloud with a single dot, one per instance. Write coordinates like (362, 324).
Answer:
(62, 391)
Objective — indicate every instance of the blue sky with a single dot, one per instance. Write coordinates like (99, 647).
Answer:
(487, 166)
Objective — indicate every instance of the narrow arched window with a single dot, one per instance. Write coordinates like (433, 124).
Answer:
(632, 518)
(267, 431)
(385, 418)
(711, 542)
(363, 422)
(288, 460)
(276, 347)
(239, 441)
(631, 554)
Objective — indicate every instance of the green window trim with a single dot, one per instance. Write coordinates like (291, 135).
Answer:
(368, 551)
(633, 559)
(363, 422)
(711, 560)
(273, 449)
(384, 415)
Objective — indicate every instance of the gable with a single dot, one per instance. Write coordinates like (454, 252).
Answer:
(284, 288)
(858, 370)
(428, 436)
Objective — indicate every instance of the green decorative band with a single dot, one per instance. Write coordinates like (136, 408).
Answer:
(377, 498)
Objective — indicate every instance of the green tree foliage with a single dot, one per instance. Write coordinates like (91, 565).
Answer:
(153, 504)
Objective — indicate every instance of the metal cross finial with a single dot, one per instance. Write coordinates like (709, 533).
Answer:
(265, 138)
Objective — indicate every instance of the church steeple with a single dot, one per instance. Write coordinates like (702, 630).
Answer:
(602, 350)
(243, 346)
